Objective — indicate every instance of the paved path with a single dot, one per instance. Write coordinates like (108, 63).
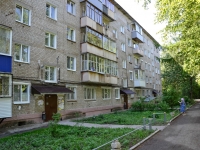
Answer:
(182, 134)
(70, 123)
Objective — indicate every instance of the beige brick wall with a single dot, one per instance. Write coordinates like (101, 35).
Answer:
(34, 36)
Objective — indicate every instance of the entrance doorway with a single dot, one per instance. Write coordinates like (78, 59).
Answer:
(125, 101)
(50, 106)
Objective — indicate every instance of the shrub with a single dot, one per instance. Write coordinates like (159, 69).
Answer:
(54, 124)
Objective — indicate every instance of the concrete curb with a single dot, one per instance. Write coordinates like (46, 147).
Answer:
(133, 147)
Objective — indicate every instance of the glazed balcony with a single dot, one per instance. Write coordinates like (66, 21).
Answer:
(110, 15)
(93, 77)
(137, 36)
(86, 21)
(89, 48)
(139, 83)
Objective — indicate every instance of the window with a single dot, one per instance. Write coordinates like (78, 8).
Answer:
(91, 36)
(147, 80)
(125, 83)
(50, 40)
(21, 53)
(106, 93)
(123, 47)
(89, 93)
(22, 15)
(129, 58)
(129, 42)
(123, 63)
(71, 7)
(21, 93)
(122, 29)
(115, 33)
(71, 34)
(5, 41)
(71, 63)
(5, 85)
(72, 96)
(50, 74)
(92, 12)
(117, 93)
(51, 11)
(109, 45)
(131, 75)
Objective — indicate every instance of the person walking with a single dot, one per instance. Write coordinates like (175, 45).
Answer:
(182, 105)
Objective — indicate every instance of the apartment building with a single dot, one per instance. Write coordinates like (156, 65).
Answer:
(87, 56)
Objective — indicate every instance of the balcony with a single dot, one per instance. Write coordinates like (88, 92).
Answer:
(110, 15)
(5, 63)
(138, 52)
(89, 48)
(139, 66)
(139, 83)
(137, 37)
(86, 21)
(93, 77)
(96, 3)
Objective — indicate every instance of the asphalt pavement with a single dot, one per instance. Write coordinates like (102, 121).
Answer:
(183, 133)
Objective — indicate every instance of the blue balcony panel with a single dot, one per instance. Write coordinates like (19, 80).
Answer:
(5, 63)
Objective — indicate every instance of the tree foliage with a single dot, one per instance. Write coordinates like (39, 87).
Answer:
(182, 30)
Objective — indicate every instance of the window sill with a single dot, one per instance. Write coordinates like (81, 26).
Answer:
(21, 62)
(72, 14)
(21, 103)
(107, 99)
(23, 23)
(5, 54)
(71, 100)
(117, 98)
(50, 47)
(52, 18)
(50, 81)
(71, 70)
(90, 99)
(71, 41)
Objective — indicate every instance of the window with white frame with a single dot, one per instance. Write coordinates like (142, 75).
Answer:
(106, 93)
(123, 63)
(51, 11)
(129, 42)
(124, 83)
(123, 48)
(117, 93)
(21, 93)
(21, 53)
(129, 58)
(22, 15)
(71, 7)
(122, 29)
(89, 93)
(5, 85)
(114, 33)
(5, 41)
(50, 40)
(71, 96)
(50, 74)
(71, 63)
(71, 34)
(131, 75)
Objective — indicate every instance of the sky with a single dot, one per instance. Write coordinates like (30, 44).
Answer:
(146, 18)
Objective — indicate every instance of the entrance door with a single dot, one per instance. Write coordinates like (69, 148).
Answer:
(50, 106)
(125, 101)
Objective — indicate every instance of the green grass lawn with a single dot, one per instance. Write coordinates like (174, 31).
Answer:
(127, 118)
(71, 138)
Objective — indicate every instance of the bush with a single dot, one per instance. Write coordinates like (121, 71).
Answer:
(54, 124)
(163, 106)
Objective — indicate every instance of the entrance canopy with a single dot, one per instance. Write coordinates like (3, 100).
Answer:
(126, 91)
(47, 89)
(155, 91)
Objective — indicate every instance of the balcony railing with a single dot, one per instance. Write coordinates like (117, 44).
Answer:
(138, 52)
(137, 36)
